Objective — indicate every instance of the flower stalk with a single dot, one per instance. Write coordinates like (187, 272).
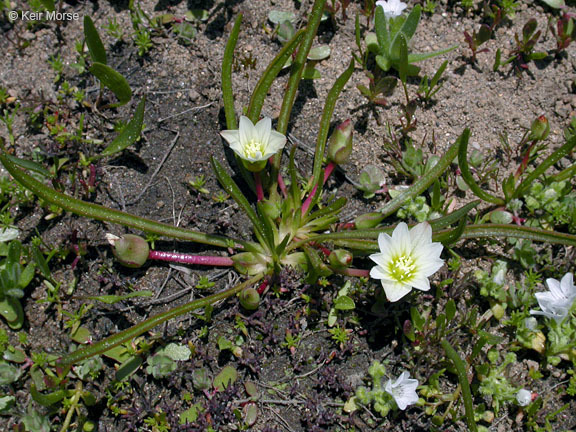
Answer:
(183, 258)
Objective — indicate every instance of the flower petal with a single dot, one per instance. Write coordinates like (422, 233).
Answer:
(395, 290)
(263, 128)
(231, 136)
(246, 130)
(422, 283)
(384, 242)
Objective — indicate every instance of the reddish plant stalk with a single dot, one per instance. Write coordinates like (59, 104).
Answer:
(353, 272)
(329, 168)
(190, 259)
(262, 287)
(258, 183)
(282, 186)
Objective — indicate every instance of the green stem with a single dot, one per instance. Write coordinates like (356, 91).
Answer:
(227, 61)
(464, 384)
(140, 328)
(95, 211)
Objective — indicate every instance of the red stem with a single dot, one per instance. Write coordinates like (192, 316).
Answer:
(282, 186)
(259, 190)
(190, 259)
(329, 168)
(353, 272)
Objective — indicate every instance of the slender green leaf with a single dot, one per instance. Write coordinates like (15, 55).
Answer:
(113, 80)
(331, 209)
(30, 165)
(93, 41)
(382, 32)
(563, 151)
(418, 57)
(234, 191)
(464, 384)
(411, 24)
(269, 75)
(148, 324)
(496, 231)
(422, 184)
(111, 299)
(226, 76)
(467, 175)
(453, 217)
(47, 399)
(102, 213)
(325, 123)
(129, 134)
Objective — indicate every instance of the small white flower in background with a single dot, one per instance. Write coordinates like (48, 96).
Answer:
(254, 144)
(557, 302)
(524, 397)
(406, 260)
(392, 8)
(403, 390)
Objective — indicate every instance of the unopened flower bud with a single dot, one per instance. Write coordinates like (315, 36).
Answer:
(340, 258)
(498, 311)
(271, 208)
(131, 250)
(368, 220)
(540, 128)
(340, 143)
(538, 342)
(249, 299)
(524, 397)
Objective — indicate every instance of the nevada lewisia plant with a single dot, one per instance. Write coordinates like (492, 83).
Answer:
(406, 260)
(254, 144)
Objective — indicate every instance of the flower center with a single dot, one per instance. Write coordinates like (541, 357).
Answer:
(253, 149)
(402, 267)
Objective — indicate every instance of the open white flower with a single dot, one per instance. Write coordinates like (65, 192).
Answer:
(406, 260)
(392, 8)
(403, 390)
(254, 144)
(557, 302)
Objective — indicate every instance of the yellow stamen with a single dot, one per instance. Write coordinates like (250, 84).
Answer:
(402, 268)
(253, 149)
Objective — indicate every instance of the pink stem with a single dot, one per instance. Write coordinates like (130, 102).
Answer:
(190, 259)
(354, 272)
(262, 287)
(259, 190)
(282, 185)
(329, 168)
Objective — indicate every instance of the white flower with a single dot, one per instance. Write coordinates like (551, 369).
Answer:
(254, 144)
(524, 397)
(403, 390)
(406, 260)
(557, 302)
(392, 8)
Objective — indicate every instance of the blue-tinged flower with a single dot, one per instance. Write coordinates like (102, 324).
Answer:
(557, 302)
(392, 8)
(254, 144)
(406, 260)
(403, 390)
